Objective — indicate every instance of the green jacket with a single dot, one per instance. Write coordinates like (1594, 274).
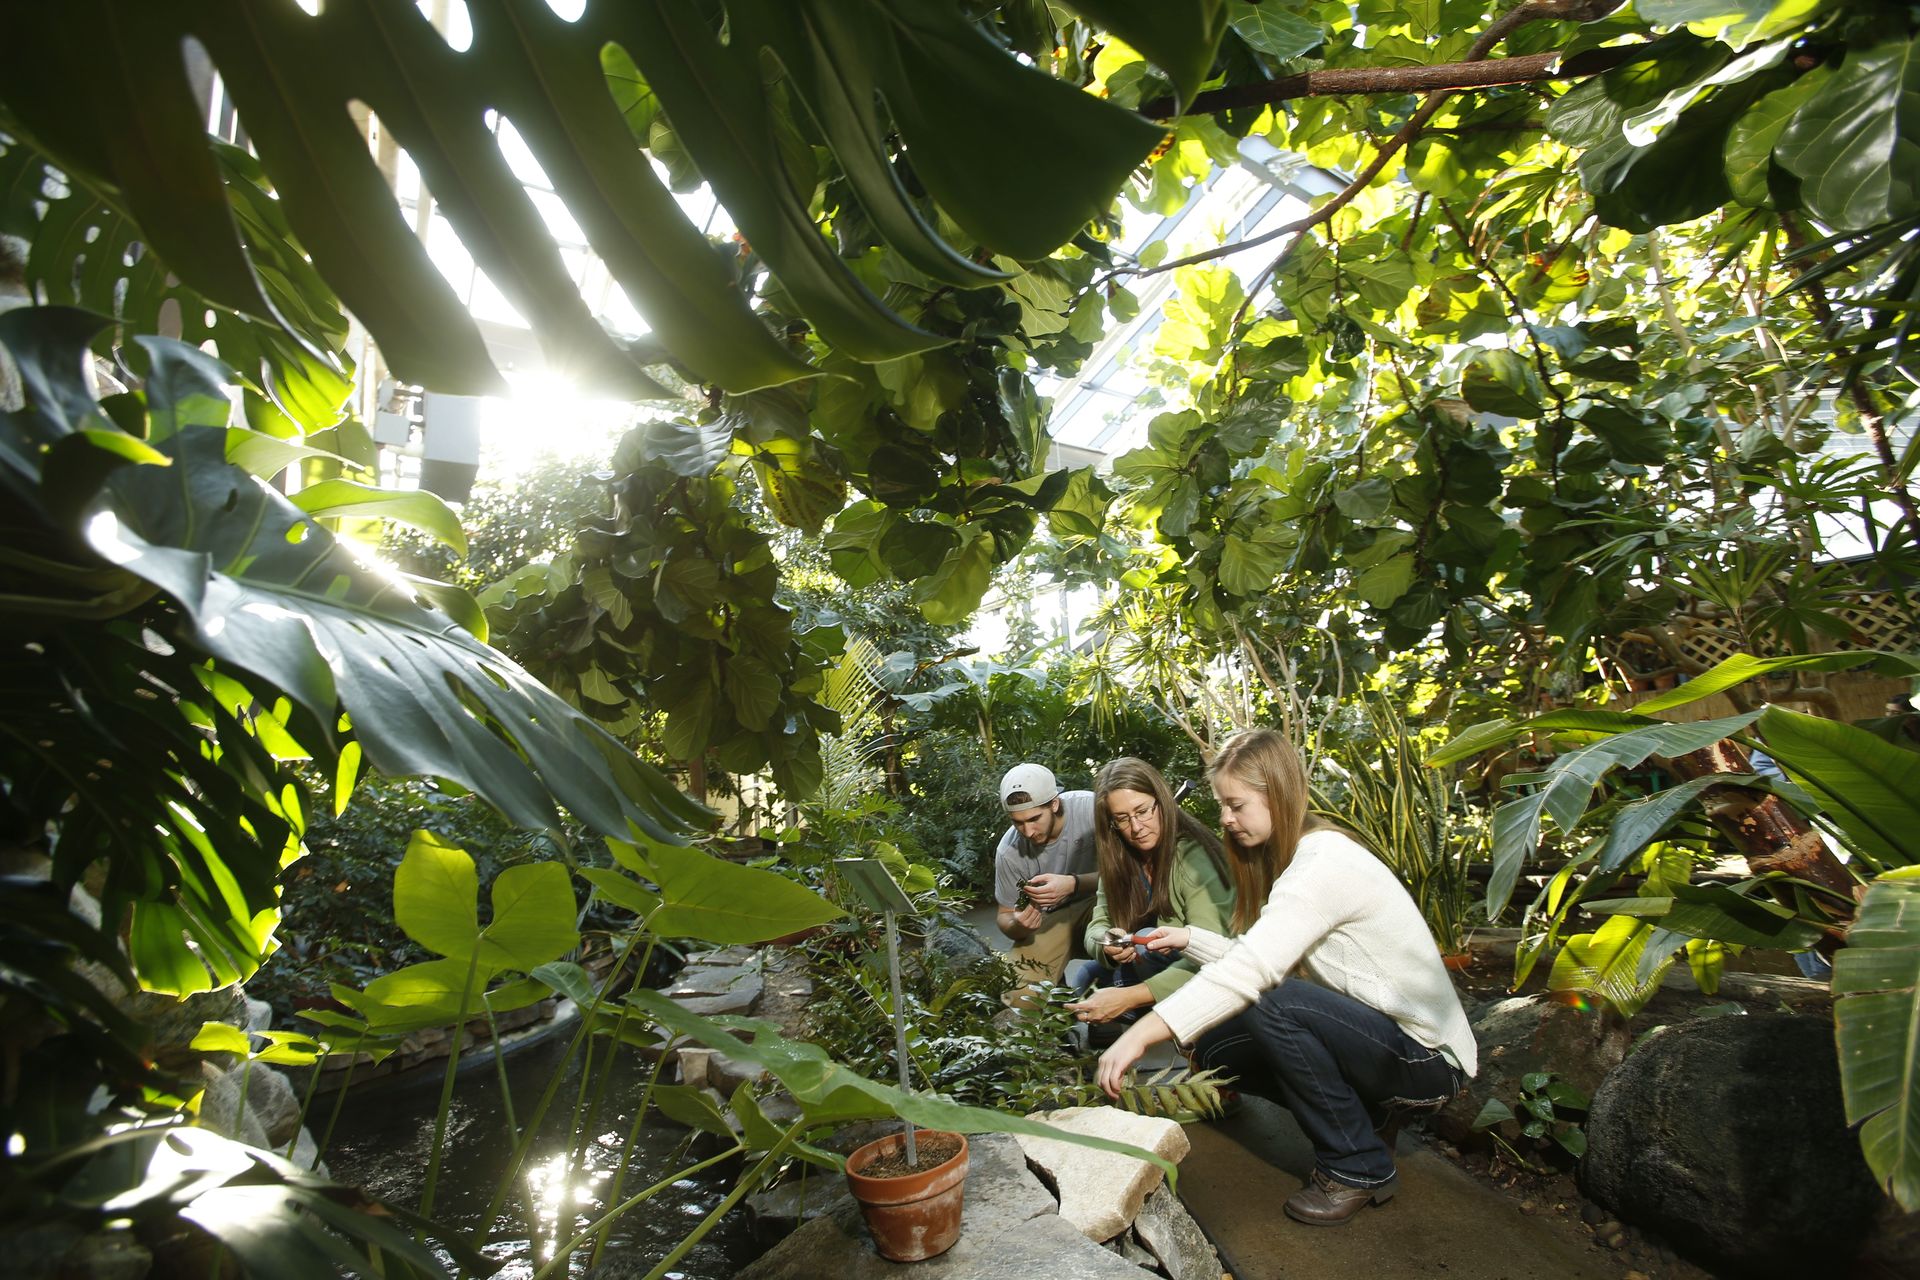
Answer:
(1197, 896)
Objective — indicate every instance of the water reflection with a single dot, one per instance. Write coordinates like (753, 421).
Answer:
(385, 1138)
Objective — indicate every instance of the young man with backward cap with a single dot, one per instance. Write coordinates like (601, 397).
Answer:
(1045, 872)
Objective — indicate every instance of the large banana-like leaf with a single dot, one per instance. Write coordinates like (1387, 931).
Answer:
(138, 139)
(1866, 786)
(1569, 785)
(1877, 1025)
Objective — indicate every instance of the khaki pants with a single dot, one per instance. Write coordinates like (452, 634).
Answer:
(1044, 957)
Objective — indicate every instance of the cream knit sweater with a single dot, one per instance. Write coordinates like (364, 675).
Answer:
(1339, 915)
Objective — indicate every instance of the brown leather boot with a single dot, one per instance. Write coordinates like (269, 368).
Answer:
(1326, 1203)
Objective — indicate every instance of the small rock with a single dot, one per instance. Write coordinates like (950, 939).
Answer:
(780, 1211)
(1170, 1233)
(1592, 1214)
(1528, 1207)
(724, 956)
(694, 1065)
(1127, 1247)
(1614, 1239)
(1101, 1191)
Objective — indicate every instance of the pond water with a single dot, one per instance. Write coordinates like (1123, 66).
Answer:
(384, 1140)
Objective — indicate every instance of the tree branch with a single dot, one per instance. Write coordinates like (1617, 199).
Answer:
(1441, 77)
(1498, 30)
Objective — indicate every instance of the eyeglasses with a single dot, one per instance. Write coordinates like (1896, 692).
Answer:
(1136, 819)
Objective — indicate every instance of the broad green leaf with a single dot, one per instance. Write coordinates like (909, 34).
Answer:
(1481, 737)
(1569, 784)
(1737, 22)
(950, 594)
(1248, 565)
(1855, 143)
(1751, 142)
(436, 895)
(1273, 29)
(1717, 913)
(753, 689)
(1178, 36)
(533, 918)
(684, 1104)
(1876, 1014)
(717, 901)
(277, 596)
(1387, 581)
(621, 891)
(1742, 667)
(826, 1089)
(220, 1037)
(290, 1049)
(1500, 382)
(1866, 786)
(568, 979)
(686, 449)
(1636, 824)
(756, 1131)
(414, 508)
(1604, 964)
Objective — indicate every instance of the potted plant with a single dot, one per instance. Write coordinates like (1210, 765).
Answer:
(911, 1186)
(911, 1201)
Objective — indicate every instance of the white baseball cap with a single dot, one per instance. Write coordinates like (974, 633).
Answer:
(1035, 781)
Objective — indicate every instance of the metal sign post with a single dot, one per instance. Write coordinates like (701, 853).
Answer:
(877, 889)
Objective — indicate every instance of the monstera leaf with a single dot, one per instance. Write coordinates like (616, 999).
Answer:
(188, 632)
(729, 80)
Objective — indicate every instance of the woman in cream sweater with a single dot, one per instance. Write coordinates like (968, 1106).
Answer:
(1333, 1001)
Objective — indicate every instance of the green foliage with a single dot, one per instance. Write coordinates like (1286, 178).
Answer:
(1877, 1027)
(1404, 812)
(156, 565)
(672, 75)
(337, 901)
(960, 1040)
(1550, 1110)
(1854, 782)
(260, 1211)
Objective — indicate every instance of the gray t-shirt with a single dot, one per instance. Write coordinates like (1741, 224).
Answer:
(1017, 860)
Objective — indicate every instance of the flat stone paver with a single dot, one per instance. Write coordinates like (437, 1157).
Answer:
(1441, 1223)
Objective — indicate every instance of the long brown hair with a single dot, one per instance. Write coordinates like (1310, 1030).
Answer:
(1129, 906)
(1268, 763)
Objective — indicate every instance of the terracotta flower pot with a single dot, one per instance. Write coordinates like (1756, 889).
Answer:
(916, 1216)
(1457, 960)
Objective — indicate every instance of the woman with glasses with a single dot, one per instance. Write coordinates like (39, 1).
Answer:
(1158, 867)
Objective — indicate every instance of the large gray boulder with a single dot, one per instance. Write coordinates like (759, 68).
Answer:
(1726, 1136)
(1526, 1034)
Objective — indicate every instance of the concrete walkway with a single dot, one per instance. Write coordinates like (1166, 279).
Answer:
(1441, 1223)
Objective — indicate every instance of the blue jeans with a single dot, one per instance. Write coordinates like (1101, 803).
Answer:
(1339, 1065)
